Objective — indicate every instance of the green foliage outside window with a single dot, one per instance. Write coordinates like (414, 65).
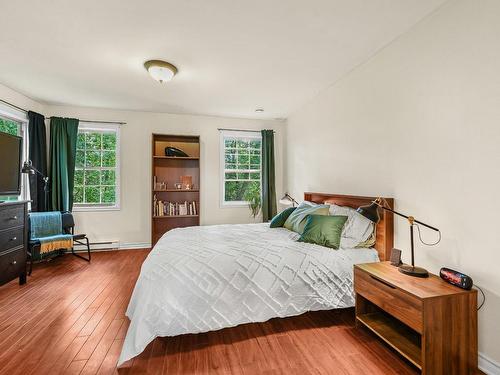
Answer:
(9, 127)
(242, 163)
(95, 174)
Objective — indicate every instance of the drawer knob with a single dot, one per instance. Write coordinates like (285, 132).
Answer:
(13, 217)
(13, 238)
(14, 262)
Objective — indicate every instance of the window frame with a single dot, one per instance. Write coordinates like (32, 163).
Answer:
(20, 117)
(224, 134)
(92, 126)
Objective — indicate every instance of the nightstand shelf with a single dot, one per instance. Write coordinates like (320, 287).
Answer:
(428, 321)
(402, 338)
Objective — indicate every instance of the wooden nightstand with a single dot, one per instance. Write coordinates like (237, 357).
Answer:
(430, 322)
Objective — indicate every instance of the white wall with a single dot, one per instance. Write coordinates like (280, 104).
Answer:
(131, 225)
(420, 122)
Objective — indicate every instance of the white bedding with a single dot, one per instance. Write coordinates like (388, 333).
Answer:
(200, 279)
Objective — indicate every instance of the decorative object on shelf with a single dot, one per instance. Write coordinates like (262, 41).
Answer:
(28, 168)
(371, 212)
(162, 185)
(160, 70)
(175, 152)
(287, 200)
(178, 186)
(187, 182)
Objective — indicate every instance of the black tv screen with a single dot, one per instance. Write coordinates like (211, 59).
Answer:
(10, 164)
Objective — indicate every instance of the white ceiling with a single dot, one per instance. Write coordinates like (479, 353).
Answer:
(233, 56)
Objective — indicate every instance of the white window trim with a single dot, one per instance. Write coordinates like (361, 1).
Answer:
(22, 118)
(222, 163)
(79, 207)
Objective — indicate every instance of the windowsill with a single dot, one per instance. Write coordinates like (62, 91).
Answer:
(95, 209)
(234, 204)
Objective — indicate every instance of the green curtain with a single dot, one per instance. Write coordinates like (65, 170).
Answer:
(268, 177)
(63, 135)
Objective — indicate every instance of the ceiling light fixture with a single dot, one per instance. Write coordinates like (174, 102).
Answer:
(259, 110)
(161, 71)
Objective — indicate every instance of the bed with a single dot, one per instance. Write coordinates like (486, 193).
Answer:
(200, 279)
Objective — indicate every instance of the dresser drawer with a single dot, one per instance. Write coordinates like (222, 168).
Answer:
(11, 238)
(399, 304)
(11, 265)
(11, 216)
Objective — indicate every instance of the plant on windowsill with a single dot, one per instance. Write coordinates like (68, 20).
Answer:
(252, 196)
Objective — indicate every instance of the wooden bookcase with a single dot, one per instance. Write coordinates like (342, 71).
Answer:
(169, 169)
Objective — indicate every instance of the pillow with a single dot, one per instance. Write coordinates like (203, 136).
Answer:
(323, 230)
(297, 218)
(280, 218)
(357, 229)
(370, 242)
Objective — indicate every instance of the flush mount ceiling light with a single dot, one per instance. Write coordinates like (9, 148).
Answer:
(161, 71)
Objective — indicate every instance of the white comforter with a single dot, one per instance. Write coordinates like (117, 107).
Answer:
(200, 279)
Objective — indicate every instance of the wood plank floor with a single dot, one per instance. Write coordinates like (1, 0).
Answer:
(70, 318)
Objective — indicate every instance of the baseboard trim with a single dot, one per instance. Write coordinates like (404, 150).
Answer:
(488, 365)
(113, 246)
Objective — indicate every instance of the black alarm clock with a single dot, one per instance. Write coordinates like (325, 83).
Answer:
(456, 278)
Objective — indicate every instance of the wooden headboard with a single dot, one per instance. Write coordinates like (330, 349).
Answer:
(385, 227)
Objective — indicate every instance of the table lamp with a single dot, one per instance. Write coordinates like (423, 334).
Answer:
(371, 213)
(288, 200)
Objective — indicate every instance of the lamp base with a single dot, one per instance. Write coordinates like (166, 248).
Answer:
(413, 271)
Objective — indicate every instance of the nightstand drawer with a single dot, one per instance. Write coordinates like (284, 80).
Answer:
(399, 304)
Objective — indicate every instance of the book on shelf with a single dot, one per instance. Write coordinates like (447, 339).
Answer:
(164, 208)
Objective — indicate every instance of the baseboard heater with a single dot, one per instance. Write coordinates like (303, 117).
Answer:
(97, 246)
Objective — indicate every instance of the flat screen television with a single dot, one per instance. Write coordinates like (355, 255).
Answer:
(11, 153)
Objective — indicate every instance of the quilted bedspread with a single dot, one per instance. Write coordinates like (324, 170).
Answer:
(201, 279)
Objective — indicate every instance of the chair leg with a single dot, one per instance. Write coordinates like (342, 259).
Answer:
(30, 259)
(88, 250)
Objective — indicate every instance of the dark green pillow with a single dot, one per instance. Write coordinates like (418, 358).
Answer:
(279, 220)
(323, 230)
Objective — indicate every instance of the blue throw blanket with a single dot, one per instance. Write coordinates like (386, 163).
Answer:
(46, 228)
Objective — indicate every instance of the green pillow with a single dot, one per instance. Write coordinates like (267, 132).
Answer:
(280, 219)
(323, 230)
(297, 219)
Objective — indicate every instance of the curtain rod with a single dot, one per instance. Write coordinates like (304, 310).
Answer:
(96, 121)
(48, 118)
(241, 130)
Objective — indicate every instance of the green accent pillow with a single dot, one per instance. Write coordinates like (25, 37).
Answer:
(297, 219)
(323, 230)
(279, 220)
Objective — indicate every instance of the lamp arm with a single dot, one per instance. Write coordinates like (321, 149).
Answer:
(290, 197)
(380, 203)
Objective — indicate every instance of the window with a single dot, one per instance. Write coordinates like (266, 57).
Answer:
(240, 166)
(10, 127)
(97, 169)
(14, 122)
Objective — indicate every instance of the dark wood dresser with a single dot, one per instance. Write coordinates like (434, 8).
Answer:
(13, 241)
(431, 323)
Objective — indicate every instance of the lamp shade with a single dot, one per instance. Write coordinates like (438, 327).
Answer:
(27, 168)
(370, 212)
(285, 201)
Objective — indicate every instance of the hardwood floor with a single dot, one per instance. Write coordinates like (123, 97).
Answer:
(70, 318)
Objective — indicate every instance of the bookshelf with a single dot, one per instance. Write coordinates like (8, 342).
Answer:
(167, 211)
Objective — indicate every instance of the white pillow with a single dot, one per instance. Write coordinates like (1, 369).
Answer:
(357, 228)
